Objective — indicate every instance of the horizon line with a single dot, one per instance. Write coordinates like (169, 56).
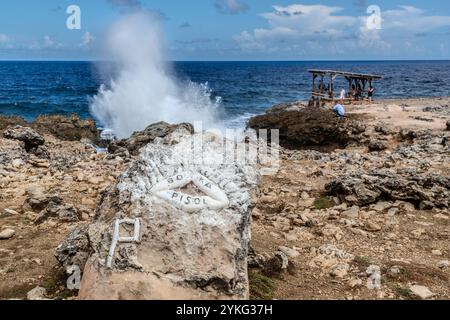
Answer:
(305, 60)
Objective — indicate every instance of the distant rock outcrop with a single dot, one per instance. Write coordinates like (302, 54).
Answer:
(308, 127)
(65, 128)
(171, 228)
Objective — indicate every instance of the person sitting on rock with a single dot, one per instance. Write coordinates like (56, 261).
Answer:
(339, 111)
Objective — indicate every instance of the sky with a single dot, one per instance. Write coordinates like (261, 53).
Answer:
(236, 29)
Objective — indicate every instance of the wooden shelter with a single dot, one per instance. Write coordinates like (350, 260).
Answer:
(357, 83)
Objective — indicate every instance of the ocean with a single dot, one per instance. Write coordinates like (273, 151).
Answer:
(242, 89)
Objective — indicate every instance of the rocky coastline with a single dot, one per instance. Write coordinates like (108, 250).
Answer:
(359, 209)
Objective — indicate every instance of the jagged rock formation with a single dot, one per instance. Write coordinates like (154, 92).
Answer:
(364, 188)
(171, 228)
(65, 128)
(139, 139)
(31, 139)
(302, 127)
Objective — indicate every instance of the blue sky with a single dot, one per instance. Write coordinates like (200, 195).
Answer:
(235, 29)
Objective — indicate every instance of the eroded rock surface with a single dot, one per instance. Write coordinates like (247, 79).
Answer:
(363, 188)
(139, 139)
(187, 225)
(31, 139)
(302, 127)
(66, 128)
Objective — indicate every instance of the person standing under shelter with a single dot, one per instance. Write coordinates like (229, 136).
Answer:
(370, 93)
(343, 95)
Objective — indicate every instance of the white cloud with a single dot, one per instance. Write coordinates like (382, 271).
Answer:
(5, 42)
(412, 20)
(231, 6)
(3, 38)
(87, 39)
(45, 43)
(295, 23)
(319, 28)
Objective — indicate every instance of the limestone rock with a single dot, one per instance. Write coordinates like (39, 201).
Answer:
(340, 270)
(75, 249)
(372, 226)
(291, 253)
(421, 291)
(50, 206)
(37, 293)
(141, 138)
(70, 128)
(364, 188)
(173, 227)
(31, 139)
(332, 260)
(307, 127)
(351, 213)
(7, 234)
(377, 145)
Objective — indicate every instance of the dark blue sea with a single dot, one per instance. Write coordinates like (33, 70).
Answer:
(29, 89)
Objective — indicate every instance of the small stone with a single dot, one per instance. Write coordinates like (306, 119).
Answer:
(7, 234)
(372, 227)
(87, 202)
(426, 205)
(436, 252)
(351, 213)
(10, 212)
(421, 291)
(394, 270)
(275, 235)
(393, 211)
(355, 283)
(381, 206)
(377, 145)
(284, 259)
(441, 216)
(96, 180)
(418, 232)
(332, 231)
(359, 232)
(408, 207)
(37, 293)
(291, 253)
(17, 163)
(304, 195)
(340, 270)
(443, 264)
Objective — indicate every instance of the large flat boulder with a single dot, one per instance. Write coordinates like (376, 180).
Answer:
(175, 226)
(309, 127)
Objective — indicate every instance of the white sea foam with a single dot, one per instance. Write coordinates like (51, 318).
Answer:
(142, 91)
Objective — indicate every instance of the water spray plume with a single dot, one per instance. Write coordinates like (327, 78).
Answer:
(142, 91)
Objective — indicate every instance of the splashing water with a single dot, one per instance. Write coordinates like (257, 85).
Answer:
(142, 92)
